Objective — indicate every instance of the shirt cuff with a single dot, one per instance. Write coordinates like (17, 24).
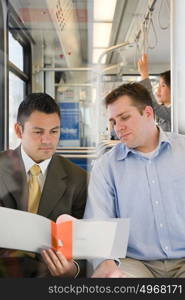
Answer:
(96, 262)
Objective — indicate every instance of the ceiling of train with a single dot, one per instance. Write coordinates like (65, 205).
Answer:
(65, 29)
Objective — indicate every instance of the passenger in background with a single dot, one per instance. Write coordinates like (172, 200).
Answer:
(163, 110)
(113, 135)
(33, 178)
(141, 178)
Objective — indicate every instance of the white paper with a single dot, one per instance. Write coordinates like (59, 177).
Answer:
(91, 238)
(95, 238)
(23, 230)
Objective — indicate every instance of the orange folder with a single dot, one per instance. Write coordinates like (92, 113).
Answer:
(61, 237)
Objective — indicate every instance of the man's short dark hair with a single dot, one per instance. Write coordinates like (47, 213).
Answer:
(36, 102)
(137, 92)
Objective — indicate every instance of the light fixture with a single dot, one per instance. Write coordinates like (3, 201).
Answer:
(102, 27)
(104, 10)
(101, 34)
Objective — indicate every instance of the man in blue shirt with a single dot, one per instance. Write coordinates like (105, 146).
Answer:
(141, 178)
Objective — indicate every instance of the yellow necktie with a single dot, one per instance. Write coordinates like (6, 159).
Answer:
(34, 189)
(33, 203)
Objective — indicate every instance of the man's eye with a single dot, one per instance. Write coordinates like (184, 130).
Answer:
(37, 132)
(54, 131)
(125, 118)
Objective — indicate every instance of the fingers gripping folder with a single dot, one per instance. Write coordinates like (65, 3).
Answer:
(77, 239)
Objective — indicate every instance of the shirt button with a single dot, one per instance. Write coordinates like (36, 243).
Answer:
(166, 247)
(156, 202)
(149, 162)
(161, 225)
(153, 181)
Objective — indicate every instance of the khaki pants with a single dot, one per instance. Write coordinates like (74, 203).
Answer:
(171, 268)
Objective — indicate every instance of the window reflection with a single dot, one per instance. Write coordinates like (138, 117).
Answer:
(16, 95)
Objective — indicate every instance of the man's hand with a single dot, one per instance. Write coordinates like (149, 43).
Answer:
(143, 66)
(108, 269)
(58, 265)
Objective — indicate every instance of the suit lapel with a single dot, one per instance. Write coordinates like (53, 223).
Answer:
(54, 187)
(14, 177)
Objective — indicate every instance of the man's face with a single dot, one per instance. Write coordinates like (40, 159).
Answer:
(129, 125)
(40, 135)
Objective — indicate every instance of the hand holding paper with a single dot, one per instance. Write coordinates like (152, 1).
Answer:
(76, 239)
(58, 265)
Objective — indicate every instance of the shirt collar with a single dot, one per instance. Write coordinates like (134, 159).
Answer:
(28, 162)
(163, 137)
(123, 150)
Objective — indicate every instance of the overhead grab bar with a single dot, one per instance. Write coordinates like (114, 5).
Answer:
(147, 15)
(163, 27)
(110, 49)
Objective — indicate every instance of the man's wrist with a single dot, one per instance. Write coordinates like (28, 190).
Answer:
(109, 261)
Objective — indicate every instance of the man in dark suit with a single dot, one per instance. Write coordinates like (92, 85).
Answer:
(62, 184)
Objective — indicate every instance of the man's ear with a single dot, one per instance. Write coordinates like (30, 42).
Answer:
(149, 112)
(18, 130)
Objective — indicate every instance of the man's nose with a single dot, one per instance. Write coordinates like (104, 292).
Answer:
(120, 126)
(46, 138)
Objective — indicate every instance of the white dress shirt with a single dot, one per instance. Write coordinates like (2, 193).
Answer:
(28, 163)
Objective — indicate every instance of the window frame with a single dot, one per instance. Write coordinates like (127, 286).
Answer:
(16, 27)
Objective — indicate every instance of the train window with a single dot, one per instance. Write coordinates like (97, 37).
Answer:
(16, 94)
(16, 54)
(19, 70)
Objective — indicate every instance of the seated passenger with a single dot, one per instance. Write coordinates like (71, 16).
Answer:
(162, 110)
(35, 179)
(141, 178)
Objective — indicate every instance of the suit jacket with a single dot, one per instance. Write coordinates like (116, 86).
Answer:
(64, 190)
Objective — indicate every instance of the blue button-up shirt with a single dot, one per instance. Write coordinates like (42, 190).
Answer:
(149, 191)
